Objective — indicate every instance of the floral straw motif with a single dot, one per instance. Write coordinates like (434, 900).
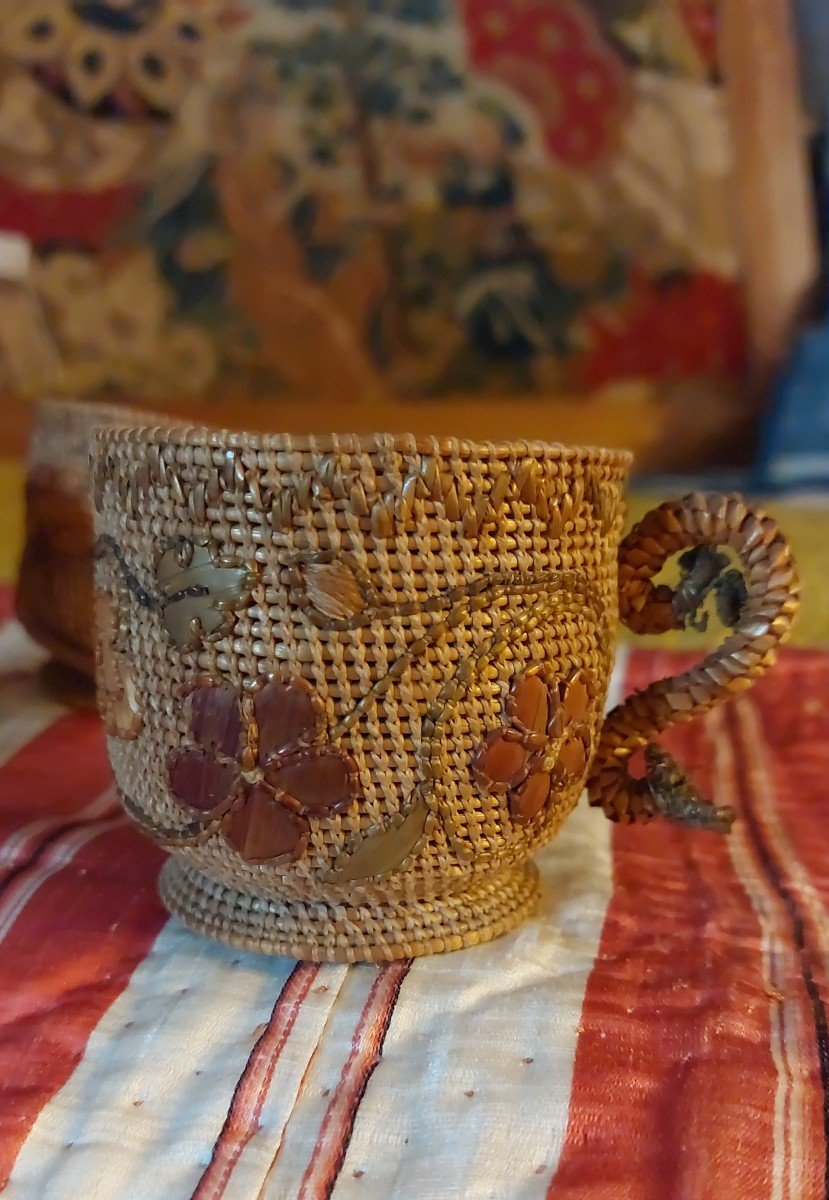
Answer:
(260, 765)
(200, 587)
(117, 696)
(543, 747)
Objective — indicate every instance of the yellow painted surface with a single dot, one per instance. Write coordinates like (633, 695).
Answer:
(11, 517)
(806, 527)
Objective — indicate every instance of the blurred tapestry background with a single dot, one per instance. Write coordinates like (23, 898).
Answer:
(488, 217)
(580, 220)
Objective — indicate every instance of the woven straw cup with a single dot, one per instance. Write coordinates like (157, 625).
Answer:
(353, 683)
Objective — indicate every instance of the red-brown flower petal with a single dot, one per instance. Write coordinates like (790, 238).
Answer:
(571, 762)
(215, 721)
(316, 781)
(576, 700)
(502, 759)
(263, 829)
(285, 715)
(199, 781)
(530, 704)
(529, 801)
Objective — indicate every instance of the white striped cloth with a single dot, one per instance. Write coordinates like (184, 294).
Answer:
(658, 1031)
(221, 1074)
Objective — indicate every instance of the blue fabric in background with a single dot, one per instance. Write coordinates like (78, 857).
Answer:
(794, 447)
(812, 21)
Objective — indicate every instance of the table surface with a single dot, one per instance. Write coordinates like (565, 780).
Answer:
(659, 1030)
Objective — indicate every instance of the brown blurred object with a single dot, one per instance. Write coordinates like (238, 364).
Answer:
(54, 597)
(54, 591)
(775, 225)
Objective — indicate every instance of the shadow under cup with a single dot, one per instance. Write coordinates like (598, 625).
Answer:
(353, 683)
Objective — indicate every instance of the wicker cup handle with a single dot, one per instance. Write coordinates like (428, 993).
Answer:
(756, 598)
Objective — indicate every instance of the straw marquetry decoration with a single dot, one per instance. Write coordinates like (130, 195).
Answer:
(353, 683)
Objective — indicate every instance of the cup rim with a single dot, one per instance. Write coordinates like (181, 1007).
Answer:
(207, 437)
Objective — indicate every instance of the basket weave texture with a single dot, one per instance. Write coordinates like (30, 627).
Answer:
(422, 627)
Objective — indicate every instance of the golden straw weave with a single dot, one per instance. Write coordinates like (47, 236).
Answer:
(353, 683)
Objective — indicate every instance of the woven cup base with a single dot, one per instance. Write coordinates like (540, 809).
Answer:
(328, 933)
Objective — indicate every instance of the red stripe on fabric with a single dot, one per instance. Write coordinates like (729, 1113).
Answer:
(366, 1050)
(65, 959)
(784, 838)
(56, 773)
(242, 1119)
(673, 1077)
(791, 1027)
(31, 788)
(793, 709)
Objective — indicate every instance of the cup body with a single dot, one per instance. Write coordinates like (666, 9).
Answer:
(352, 683)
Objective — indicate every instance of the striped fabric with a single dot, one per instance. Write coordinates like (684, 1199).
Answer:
(658, 1032)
